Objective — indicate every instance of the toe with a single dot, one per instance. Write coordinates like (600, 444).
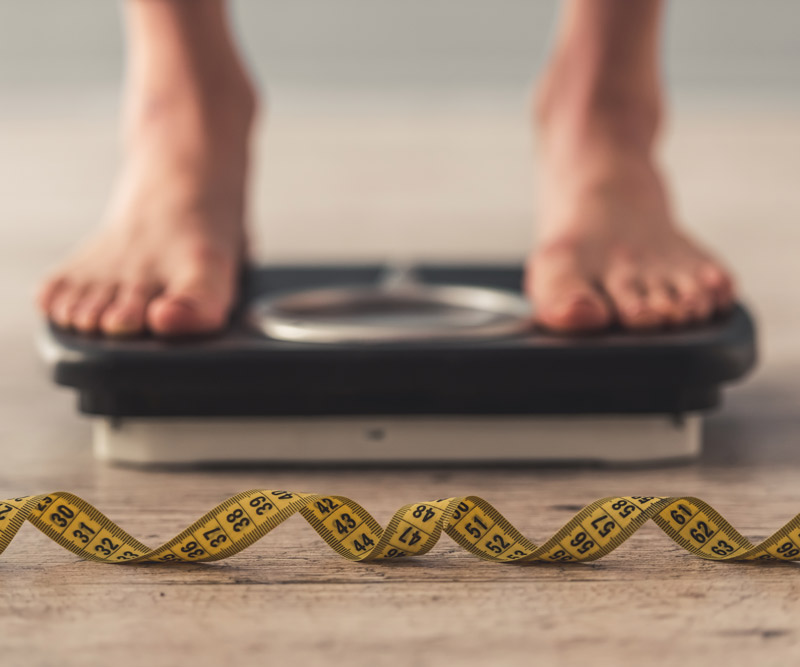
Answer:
(694, 301)
(662, 301)
(64, 303)
(575, 310)
(88, 311)
(631, 304)
(196, 303)
(185, 313)
(125, 316)
(719, 283)
(566, 300)
(48, 290)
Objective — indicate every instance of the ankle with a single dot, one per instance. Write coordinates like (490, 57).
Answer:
(218, 110)
(183, 60)
(585, 105)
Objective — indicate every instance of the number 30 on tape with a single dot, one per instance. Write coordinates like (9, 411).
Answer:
(351, 531)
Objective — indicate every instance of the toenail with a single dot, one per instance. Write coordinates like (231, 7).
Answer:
(121, 328)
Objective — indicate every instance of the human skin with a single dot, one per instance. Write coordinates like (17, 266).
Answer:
(167, 257)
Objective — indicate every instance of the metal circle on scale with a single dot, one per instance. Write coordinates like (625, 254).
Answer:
(392, 314)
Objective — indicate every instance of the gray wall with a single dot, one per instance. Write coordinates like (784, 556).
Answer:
(715, 47)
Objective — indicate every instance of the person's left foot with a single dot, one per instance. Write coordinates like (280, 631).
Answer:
(610, 250)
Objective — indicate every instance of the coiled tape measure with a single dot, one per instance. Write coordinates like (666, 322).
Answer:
(351, 531)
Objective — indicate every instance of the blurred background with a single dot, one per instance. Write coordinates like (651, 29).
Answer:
(713, 46)
(388, 120)
(402, 129)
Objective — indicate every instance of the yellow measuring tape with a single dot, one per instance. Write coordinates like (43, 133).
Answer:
(351, 531)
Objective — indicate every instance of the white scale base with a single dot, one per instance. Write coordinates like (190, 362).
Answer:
(495, 439)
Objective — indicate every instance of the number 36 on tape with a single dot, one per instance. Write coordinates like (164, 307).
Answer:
(351, 531)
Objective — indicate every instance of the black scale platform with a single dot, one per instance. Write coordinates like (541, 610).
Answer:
(241, 373)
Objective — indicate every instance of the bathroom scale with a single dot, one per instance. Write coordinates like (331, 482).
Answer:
(430, 363)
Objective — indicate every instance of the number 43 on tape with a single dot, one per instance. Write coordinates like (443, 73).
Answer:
(350, 530)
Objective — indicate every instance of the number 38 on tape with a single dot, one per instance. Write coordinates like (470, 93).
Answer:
(350, 530)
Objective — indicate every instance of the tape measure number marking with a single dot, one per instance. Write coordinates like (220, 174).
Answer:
(351, 531)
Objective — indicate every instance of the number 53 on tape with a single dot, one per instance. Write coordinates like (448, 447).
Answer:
(350, 530)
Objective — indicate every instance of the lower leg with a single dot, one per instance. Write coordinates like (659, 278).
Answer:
(167, 257)
(610, 249)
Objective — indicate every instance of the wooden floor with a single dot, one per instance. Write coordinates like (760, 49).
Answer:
(429, 185)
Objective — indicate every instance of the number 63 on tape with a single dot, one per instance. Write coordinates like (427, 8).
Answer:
(350, 530)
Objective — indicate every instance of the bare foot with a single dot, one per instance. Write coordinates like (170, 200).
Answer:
(167, 258)
(610, 250)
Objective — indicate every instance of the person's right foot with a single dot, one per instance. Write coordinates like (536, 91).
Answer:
(167, 259)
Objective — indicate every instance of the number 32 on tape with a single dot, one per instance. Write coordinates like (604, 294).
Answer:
(350, 530)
